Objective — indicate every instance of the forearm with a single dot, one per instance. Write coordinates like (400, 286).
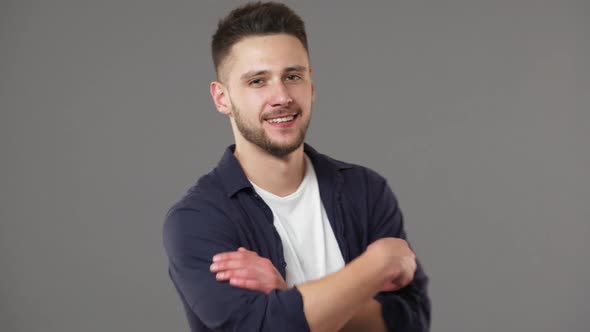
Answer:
(369, 318)
(329, 303)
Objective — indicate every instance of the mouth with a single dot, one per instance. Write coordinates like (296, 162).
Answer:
(284, 121)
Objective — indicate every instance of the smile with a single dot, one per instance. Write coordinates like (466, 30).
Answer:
(285, 119)
(284, 122)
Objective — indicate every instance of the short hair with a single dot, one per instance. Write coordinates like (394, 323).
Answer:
(255, 19)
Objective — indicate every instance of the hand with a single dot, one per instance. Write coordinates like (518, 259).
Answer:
(400, 260)
(245, 269)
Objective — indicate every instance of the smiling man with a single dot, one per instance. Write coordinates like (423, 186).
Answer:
(279, 237)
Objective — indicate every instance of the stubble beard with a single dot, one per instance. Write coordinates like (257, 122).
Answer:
(258, 137)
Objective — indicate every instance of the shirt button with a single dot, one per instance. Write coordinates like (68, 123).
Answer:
(284, 264)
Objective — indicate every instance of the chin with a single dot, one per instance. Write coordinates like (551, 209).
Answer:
(282, 150)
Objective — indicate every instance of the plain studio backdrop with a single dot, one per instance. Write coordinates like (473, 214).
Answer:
(477, 113)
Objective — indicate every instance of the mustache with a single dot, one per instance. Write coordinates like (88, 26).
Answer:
(282, 111)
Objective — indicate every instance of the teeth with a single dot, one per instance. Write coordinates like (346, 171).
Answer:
(279, 120)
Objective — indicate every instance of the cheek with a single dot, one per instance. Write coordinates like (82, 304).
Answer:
(257, 100)
(252, 100)
(303, 96)
(248, 105)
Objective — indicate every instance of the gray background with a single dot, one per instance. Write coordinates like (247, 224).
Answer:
(477, 112)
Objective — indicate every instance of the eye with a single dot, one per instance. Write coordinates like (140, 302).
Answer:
(293, 77)
(256, 82)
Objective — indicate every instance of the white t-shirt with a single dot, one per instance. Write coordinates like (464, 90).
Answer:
(309, 244)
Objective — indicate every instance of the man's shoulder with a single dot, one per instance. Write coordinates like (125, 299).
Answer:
(201, 216)
(205, 208)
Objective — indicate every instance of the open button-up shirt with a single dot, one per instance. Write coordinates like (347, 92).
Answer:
(222, 212)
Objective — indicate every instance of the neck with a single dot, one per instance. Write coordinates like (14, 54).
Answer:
(278, 175)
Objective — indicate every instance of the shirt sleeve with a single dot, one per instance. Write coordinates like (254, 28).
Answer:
(407, 309)
(191, 239)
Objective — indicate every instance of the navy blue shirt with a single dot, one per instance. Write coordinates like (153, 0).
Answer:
(222, 212)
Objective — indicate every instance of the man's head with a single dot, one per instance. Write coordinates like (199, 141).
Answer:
(264, 77)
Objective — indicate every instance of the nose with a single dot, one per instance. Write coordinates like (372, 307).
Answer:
(280, 95)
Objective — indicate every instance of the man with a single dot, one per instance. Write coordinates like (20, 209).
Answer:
(279, 237)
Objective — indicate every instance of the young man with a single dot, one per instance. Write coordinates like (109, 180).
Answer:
(279, 237)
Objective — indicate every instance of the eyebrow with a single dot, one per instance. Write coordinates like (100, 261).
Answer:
(295, 68)
(252, 73)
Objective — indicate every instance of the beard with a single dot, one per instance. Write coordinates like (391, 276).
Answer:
(257, 135)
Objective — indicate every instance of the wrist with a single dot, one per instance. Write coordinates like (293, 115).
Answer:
(380, 261)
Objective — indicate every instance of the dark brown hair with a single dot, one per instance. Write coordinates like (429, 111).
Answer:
(255, 19)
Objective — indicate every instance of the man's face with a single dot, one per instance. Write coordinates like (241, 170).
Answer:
(270, 92)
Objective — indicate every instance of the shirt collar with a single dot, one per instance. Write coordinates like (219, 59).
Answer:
(234, 179)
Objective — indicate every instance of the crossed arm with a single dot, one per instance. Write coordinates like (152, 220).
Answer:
(373, 288)
(387, 265)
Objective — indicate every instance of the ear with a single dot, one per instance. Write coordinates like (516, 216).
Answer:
(220, 97)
